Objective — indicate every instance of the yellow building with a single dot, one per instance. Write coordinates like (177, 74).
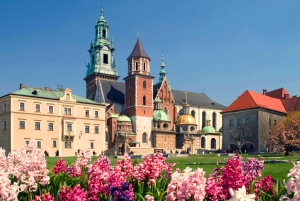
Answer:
(54, 119)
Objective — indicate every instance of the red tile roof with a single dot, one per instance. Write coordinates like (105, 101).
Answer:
(250, 99)
(291, 104)
(278, 93)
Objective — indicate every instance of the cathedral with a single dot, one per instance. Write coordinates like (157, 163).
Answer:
(143, 116)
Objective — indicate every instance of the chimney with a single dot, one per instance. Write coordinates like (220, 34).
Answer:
(295, 96)
(286, 96)
(21, 86)
(264, 91)
(47, 88)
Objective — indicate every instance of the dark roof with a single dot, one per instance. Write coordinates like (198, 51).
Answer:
(278, 93)
(291, 104)
(138, 50)
(195, 99)
(250, 99)
(113, 91)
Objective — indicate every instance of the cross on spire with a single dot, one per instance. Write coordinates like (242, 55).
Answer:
(102, 11)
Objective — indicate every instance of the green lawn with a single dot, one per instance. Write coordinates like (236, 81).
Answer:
(277, 170)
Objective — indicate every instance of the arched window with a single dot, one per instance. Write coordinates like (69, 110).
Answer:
(144, 84)
(144, 66)
(104, 33)
(144, 100)
(166, 110)
(96, 33)
(136, 66)
(213, 143)
(203, 142)
(203, 119)
(93, 59)
(144, 138)
(193, 113)
(214, 120)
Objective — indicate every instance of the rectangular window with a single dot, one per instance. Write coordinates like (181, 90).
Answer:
(27, 142)
(68, 144)
(37, 107)
(69, 127)
(105, 58)
(96, 129)
(247, 120)
(4, 106)
(38, 144)
(96, 114)
(240, 121)
(231, 135)
(50, 126)
(92, 145)
(37, 125)
(4, 124)
(54, 143)
(67, 111)
(87, 113)
(275, 122)
(51, 109)
(87, 129)
(22, 124)
(22, 106)
(270, 122)
(231, 122)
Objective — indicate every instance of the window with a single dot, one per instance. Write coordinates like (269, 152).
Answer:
(144, 138)
(37, 107)
(22, 106)
(214, 120)
(50, 126)
(51, 109)
(22, 124)
(193, 113)
(270, 122)
(93, 59)
(247, 120)
(38, 144)
(54, 143)
(68, 144)
(96, 129)
(105, 58)
(275, 122)
(4, 106)
(166, 110)
(192, 128)
(213, 143)
(92, 145)
(87, 129)
(231, 122)
(69, 127)
(184, 128)
(203, 119)
(129, 86)
(96, 33)
(87, 113)
(37, 126)
(129, 101)
(231, 135)
(67, 111)
(144, 84)
(136, 65)
(104, 33)
(96, 114)
(4, 124)
(165, 125)
(27, 142)
(240, 121)
(144, 100)
(203, 142)
(144, 66)
(106, 136)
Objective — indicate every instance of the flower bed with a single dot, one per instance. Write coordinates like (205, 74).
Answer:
(24, 176)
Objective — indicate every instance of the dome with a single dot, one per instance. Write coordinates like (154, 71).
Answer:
(186, 119)
(208, 129)
(112, 115)
(124, 118)
(160, 115)
(157, 100)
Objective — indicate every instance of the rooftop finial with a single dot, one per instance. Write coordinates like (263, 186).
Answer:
(185, 97)
(138, 34)
(102, 11)
(162, 59)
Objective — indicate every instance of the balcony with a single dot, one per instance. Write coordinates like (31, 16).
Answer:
(68, 135)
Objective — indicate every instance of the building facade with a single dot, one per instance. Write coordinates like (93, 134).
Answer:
(53, 119)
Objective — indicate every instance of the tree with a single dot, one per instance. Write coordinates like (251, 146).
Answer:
(287, 133)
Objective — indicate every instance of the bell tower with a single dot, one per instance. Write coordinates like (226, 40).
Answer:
(102, 64)
(139, 94)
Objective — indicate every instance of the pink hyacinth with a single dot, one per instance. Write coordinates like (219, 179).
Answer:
(293, 184)
(60, 166)
(81, 162)
(43, 197)
(75, 194)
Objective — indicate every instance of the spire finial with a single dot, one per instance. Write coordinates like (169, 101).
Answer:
(138, 34)
(185, 97)
(102, 11)
(162, 59)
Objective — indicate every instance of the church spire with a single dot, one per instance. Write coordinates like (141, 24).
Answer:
(162, 73)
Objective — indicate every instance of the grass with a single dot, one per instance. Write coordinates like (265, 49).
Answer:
(277, 170)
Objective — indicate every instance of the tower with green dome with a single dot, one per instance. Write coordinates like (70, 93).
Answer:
(102, 63)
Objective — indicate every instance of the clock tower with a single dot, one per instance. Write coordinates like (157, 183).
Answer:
(102, 65)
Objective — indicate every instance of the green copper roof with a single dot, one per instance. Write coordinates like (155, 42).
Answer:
(157, 100)
(208, 129)
(124, 118)
(112, 115)
(49, 94)
(160, 115)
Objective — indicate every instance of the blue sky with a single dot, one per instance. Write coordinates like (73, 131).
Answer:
(220, 47)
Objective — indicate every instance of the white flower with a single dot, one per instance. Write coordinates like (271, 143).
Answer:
(241, 195)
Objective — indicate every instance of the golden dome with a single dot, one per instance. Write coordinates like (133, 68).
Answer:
(186, 119)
